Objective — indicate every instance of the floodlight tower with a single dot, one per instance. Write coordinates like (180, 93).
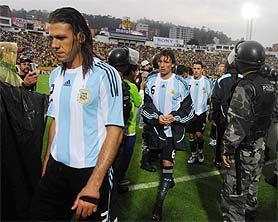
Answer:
(250, 11)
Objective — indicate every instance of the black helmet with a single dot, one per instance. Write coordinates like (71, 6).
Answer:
(269, 72)
(249, 56)
(124, 60)
(155, 60)
(118, 57)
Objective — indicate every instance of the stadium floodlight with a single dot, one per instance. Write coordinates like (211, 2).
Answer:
(250, 11)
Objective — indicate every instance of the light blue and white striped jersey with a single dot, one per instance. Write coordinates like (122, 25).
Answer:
(166, 94)
(212, 81)
(82, 108)
(200, 91)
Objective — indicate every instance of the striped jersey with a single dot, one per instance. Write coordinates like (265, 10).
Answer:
(213, 81)
(166, 94)
(82, 108)
(200, 91)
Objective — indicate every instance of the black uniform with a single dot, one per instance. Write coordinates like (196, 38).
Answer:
(150, 148)
(249, 118)
(126, 111)
(220, 98)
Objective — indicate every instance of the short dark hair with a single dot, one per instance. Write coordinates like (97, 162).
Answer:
(182, 69)
(79, 25)
(168, 53)
(23, 59)
(198, 62)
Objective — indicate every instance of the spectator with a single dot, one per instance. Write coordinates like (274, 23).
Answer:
(44, 56)
(29, 76)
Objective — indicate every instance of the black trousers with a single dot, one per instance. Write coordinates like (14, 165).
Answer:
(57, 192)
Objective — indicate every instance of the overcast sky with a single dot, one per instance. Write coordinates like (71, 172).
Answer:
(219, 15)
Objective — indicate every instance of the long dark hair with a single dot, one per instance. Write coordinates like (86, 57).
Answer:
(168, 53)
(78, 24)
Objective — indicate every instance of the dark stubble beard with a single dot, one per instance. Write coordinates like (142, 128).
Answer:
(72, 54)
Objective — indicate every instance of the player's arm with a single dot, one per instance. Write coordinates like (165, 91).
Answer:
(209, 91)
(50, 140)
(106, 157)
(149, 112)
(51, 116)
(185, 113)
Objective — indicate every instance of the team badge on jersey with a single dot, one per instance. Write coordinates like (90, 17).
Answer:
(172, 92)
(84, 96)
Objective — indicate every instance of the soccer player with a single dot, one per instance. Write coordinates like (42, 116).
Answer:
(200, 91)
(167, 108)
(87, 110)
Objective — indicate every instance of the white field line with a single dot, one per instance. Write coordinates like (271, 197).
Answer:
(142, 186)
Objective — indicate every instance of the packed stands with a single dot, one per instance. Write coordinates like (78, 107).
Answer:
(38, 47)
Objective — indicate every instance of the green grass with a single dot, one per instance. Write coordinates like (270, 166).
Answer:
(43, 85)
(195, 200)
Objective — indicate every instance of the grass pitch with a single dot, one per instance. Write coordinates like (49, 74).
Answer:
(191, 200)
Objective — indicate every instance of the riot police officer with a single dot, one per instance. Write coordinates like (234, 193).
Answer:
(125, 61)
(249, 117)
(220, 99)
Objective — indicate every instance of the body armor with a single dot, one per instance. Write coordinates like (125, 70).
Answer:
(262, 106)
(126, 102)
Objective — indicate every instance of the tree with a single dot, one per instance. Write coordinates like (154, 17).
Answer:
(193, 41)
(202, 36)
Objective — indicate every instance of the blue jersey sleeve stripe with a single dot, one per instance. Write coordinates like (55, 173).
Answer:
(114, 80)
(111, 88)
(112, 76)
(109, 78)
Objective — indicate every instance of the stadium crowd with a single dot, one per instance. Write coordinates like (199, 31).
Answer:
(38, 47)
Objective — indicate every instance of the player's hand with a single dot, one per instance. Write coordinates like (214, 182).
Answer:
(170, 118)
(83, 208)
(162, 120)
(44, 165)
(226, 161)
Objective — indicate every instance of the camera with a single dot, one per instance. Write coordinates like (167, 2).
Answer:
(33, 68)
(273, 74)
(269, 72)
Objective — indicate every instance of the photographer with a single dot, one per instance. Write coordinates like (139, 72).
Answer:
(27, 73)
